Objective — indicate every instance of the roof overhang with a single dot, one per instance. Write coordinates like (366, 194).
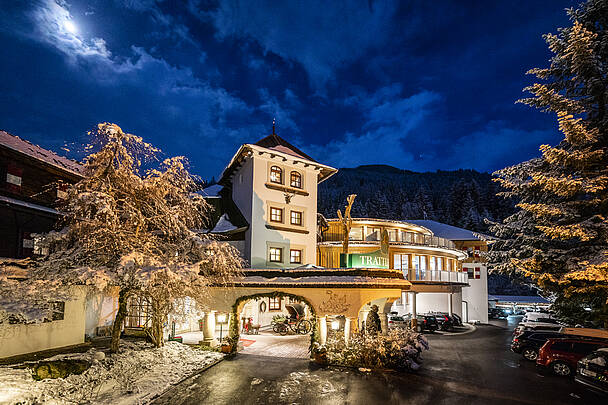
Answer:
(248, 150)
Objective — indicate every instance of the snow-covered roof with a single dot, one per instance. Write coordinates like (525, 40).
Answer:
(531, 299)
(223, 225)
(336, 281)
(34, 151)
(29, 205)
(448, 231)
(212, 191)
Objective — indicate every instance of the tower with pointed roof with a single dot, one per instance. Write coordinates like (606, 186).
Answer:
(274, 186)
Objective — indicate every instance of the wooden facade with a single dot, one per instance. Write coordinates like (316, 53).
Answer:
(30, 188)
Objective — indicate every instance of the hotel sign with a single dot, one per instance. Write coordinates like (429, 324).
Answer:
(377, 259)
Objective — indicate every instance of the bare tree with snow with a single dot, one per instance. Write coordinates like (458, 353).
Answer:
(135, 232)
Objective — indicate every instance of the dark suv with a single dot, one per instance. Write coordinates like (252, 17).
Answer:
(530, 341)
(444, 321)
(592, 371)
(561, 355)
(424, 322)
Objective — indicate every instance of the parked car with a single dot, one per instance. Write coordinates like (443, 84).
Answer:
(497, 313)
(529, 343)
(426, 323)
(444, 322)
(537, 316)
(592, 370)
(536, 326)
(397, 321)
(561, 355)
(457, 320)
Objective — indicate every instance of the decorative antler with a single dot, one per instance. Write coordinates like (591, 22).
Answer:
(288, 197)
(347, 221)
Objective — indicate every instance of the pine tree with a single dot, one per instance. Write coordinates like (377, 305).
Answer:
(559, 236)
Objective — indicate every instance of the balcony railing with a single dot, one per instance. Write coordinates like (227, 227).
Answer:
(438, 275)
(407, 238)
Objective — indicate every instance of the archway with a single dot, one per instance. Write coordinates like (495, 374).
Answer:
(236, 324)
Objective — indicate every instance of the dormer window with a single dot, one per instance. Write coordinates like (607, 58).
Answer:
(276, 175)
(295, 180)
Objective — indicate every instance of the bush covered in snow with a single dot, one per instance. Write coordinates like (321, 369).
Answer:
(399, 349)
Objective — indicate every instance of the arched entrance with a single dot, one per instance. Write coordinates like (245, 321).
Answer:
(277, 323)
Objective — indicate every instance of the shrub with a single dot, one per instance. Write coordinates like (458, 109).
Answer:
(399, 349)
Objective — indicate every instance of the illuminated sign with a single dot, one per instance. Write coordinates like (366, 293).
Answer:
(371, 260)
(377, 259)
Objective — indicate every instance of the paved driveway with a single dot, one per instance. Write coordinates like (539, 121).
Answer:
(273, 345)
(476, 368)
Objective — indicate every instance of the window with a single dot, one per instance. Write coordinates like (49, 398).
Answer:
(276, 214)
(295, 256)
(440, 264)
(296, 218)
(295, 180)
(470, 272)
(432, 262)
(276, 175)
(355, 234)
(401, 262)
(392, 235)
(561, 346)
(58, 308)
(372, 234)
(274, 304)
(584, 348)
(276, 255)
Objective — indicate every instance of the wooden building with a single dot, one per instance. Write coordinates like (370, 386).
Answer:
(33, 181)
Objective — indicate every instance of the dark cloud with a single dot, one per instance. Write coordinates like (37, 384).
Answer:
(419, 85)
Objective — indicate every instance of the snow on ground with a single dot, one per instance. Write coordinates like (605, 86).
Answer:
(133, 376)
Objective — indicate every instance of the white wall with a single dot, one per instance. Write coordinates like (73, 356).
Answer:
(20, 339)
(242, 195)
(259, 236)
(430, 302)
(476, 295)
(100, 310)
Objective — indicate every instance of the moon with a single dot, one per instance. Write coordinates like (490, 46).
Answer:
(70, 27)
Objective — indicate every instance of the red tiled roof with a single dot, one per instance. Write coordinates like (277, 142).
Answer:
(27, 148)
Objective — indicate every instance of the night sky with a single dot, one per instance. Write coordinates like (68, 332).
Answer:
(420, 85)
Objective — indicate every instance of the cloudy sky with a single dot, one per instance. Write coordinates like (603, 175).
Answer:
(420, 85)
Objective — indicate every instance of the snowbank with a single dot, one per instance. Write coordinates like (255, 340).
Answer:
(133, 376)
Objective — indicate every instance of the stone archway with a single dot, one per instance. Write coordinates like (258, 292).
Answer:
(237, 308)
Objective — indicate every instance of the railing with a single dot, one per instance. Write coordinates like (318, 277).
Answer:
(438, 275)
(407, 238)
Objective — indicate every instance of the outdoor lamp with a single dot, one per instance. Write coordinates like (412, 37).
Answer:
(221, 318)
(335, 325)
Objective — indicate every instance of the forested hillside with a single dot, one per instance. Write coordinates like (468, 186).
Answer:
(461, 198)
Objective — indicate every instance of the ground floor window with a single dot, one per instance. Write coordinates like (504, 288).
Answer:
(58, 308)
(295, 256)
(276, 255)
(274, 304)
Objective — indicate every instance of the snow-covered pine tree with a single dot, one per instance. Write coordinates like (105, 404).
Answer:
(559, 237)
(136, 232)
